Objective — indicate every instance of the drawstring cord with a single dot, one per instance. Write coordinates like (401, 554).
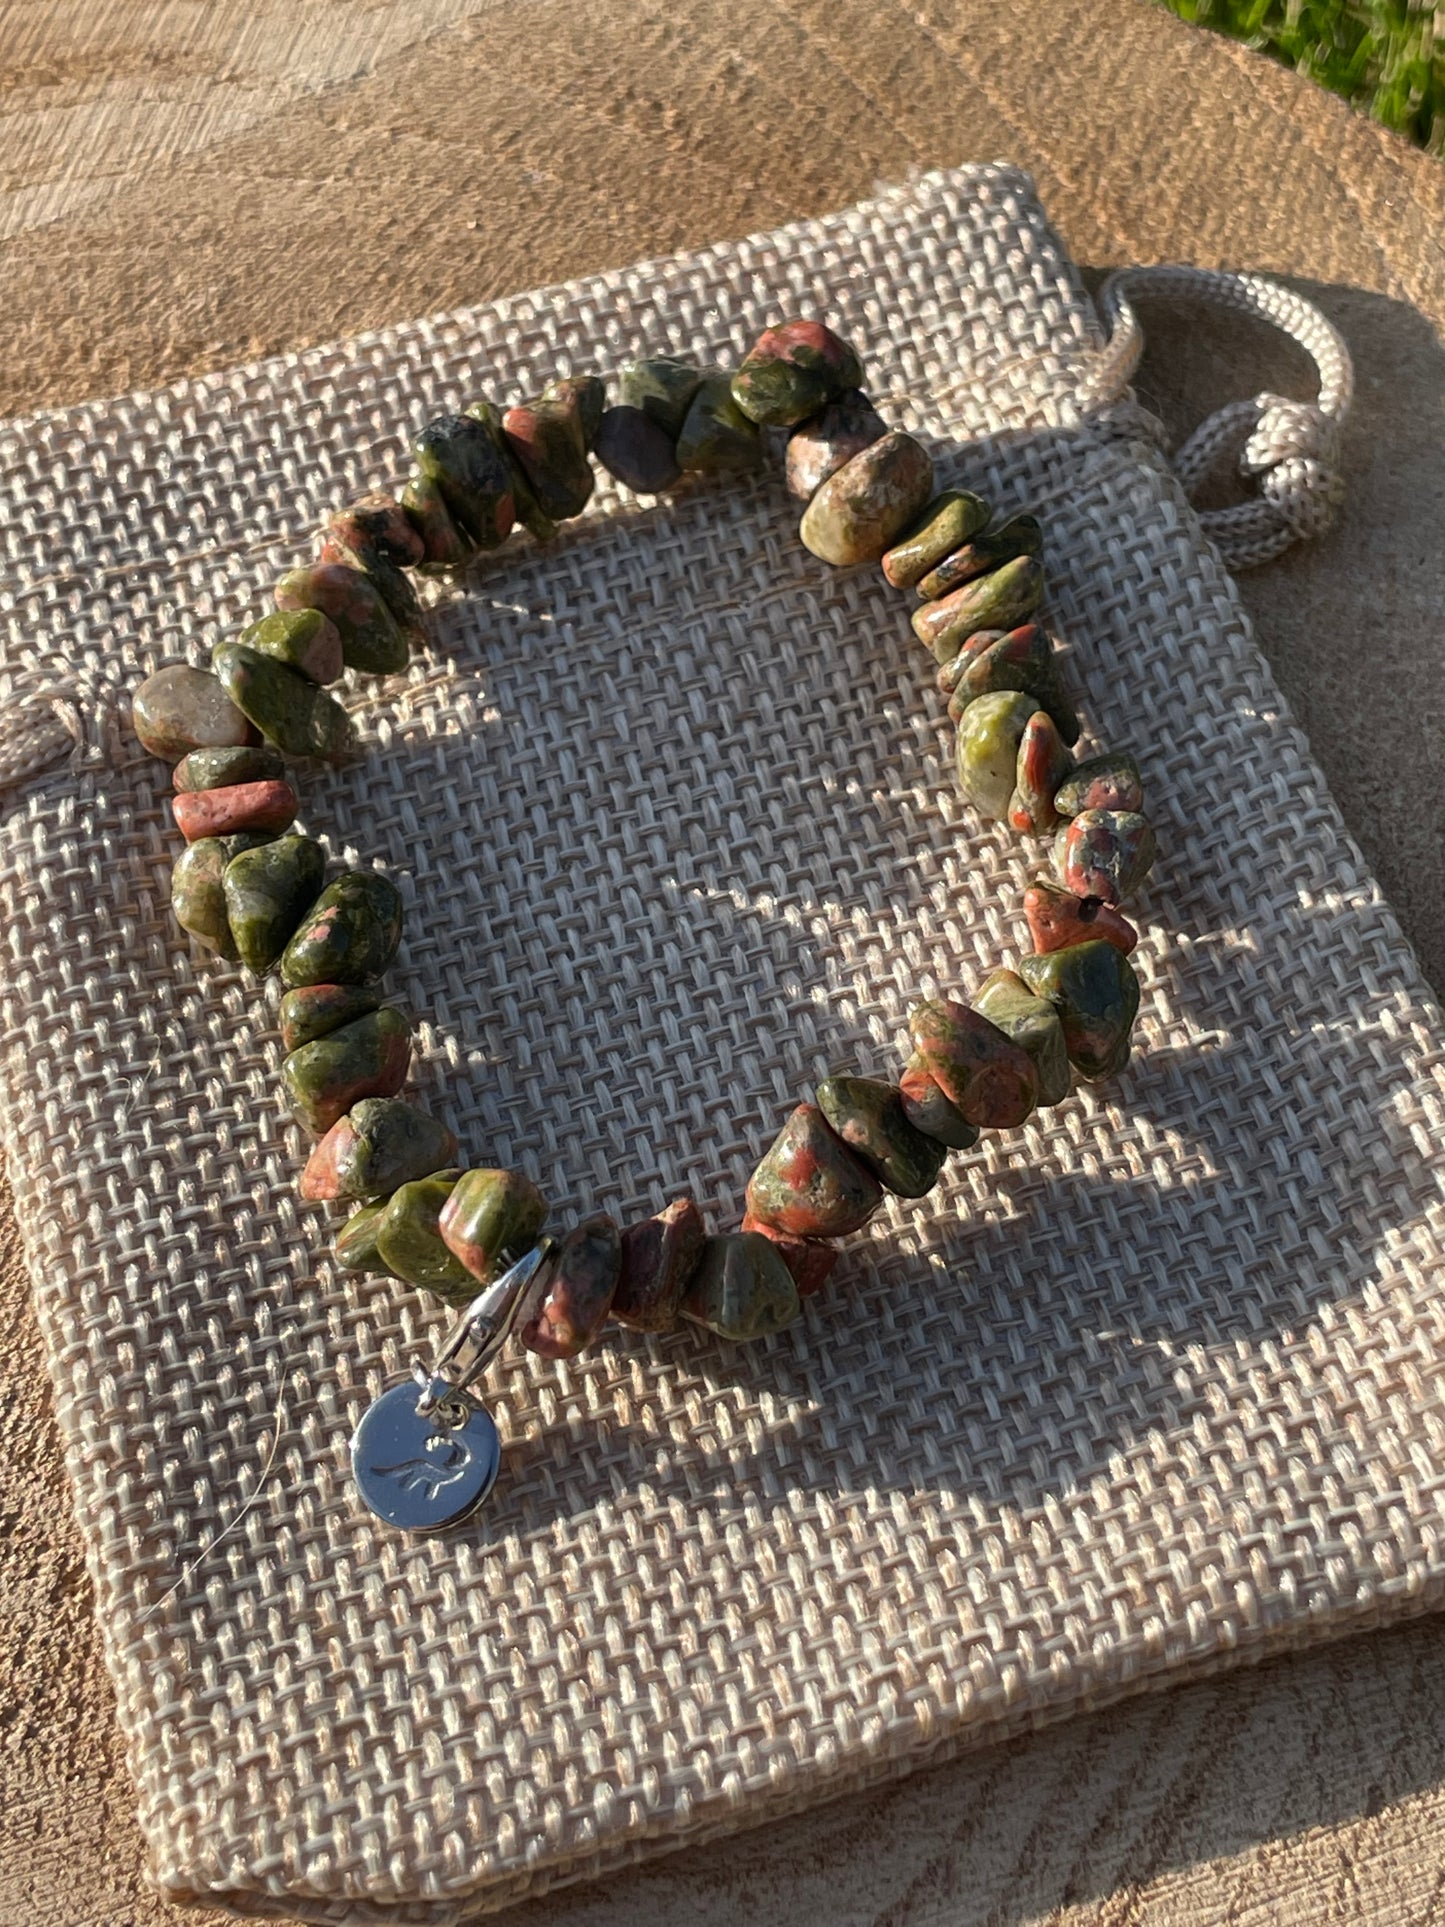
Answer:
(1289, 449)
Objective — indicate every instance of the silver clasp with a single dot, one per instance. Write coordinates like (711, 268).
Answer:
(476, 1338)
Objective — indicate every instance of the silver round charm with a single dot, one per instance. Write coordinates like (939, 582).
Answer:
(424, 1473)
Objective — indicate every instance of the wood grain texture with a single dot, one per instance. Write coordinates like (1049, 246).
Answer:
(183, 186)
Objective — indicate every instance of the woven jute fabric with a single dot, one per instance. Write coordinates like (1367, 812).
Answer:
(1146, 1388)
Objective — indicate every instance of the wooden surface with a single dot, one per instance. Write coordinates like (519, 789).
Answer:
(184, 185)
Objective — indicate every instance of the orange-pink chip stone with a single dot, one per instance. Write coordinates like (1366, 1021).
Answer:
(268, 805)
(1058, 920)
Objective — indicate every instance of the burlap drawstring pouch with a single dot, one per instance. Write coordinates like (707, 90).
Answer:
(1147, 1388)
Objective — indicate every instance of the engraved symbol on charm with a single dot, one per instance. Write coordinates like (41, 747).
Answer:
(426, 1453)
(446, 1461)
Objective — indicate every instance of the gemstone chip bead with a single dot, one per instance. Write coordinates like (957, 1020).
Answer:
(381, 1143)
(865, 504)
(949, 520)
(180, 709)
(742, 1287)
(577, 1291)
(1093, 987)
(367, 1058)
(348, 936)
(268, 892)
(810, 1184)
(491, 1219)
(1104, 853)
(659, 1255)
(979, 1068)
(818, 447)
(791, 371)
(868, 1116)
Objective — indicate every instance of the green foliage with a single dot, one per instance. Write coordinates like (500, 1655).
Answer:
(1388, 56)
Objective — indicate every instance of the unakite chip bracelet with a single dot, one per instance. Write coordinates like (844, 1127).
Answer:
(427, 1452)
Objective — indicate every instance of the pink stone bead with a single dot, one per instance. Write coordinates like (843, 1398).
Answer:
(269, 805)
(577, 1291)
(1058, 920)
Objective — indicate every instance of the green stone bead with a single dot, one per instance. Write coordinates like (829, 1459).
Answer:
(1093, 988)
(459, 453)
(791, 371)
(950, 520)
(316, 1009)
(445, 544)
(868, 502)
(1021, 535)
(928, 1109)
(547, 442)
(379, 1144)
(989, 733)
(741, 1288)
(1104, 853)
(350, 934)
(377, 524)
(1022, 658)
(633, 448)
(216, 769)
(868, 1116)
(999, 600)
(372, 640)
(410, 1246)
(951, 673)
(180, 709)
(528, 512)
(292, 713)
(268, 891)
(306, 639)
(493, 1219)
(356, 1241)
(809, 1183)
(716, 437)
(821, 445)
(396, 591)
(368, 1058)
(198, 897)
(663, 388)
(1108, 782)
(1033, 1023)
(659, 1255)
(780, 394)
(810, 1261)
(245, 840)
